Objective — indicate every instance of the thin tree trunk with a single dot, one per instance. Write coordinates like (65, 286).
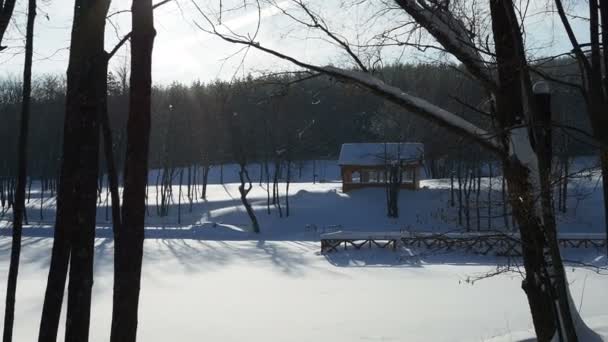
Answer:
(490, 196)
(452, 187)
(111, 168)
(130, 241)
(287, 180)
(19, 209)
(179, 197)
(459, 177)
(477, 201)
(604, 162)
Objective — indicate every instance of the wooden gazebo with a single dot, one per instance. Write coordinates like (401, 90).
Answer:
(365, 165)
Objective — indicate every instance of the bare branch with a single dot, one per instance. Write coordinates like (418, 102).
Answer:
(453, 35)
(128, 35)
(414, 104)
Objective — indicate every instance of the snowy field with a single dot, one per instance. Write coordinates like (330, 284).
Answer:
(209, 278)
(196, 290)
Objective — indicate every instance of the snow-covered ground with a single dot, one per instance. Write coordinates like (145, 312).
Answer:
(195, 290)
(319, 207)
(209, 278)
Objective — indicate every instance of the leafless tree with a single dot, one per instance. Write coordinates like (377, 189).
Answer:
(592, 60)
(504, 73)
(19, 207)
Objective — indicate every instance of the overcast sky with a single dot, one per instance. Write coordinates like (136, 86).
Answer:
(182, 52)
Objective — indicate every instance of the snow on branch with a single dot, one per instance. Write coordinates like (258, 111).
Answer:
(418, 106)
(452, 34)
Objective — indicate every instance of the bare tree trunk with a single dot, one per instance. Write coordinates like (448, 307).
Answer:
(394, 183)
(287, 180)
(604, 162)
(477, 201)
(244, 189)
(130, 241)
(276, 198)
(19, 209)
(111, 168)
(503, 192)
(491, 174)
(564, 190)
(179, 197)
(459, 177)
(452, 203)
(41, 200)
(205, 179)
(76, 200)
(510, 109)
(267, 186)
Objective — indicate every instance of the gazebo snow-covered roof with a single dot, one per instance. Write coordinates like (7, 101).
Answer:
(373, 154)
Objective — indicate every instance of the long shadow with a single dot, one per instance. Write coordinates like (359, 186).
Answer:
(217, 220)
(210, 204)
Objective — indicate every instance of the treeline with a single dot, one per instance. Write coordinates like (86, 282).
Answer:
(273, 119)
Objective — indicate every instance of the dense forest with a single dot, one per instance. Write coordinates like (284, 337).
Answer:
(295, 117)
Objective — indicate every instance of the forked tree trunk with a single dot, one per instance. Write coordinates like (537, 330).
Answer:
(244, 190)
(76, 200)
(130, 240)
(19, 209)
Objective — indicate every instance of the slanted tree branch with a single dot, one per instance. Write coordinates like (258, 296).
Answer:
(128, 35)
(452, 34)
(393, 94)
(576, 47)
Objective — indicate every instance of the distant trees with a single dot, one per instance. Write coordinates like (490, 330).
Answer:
(186, 130)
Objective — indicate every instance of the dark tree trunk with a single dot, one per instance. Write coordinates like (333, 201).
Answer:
(604, 162)
(452, 186)
(509, 110)
(179, 196)
(76, 200)
(477, 201)
(111, 168)
(19, 209)
(6, 12)
(490, 175)
(287, 180)
(393, 185)
(244, 189)
(206, 168)
(564, 190)
(130, 240)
